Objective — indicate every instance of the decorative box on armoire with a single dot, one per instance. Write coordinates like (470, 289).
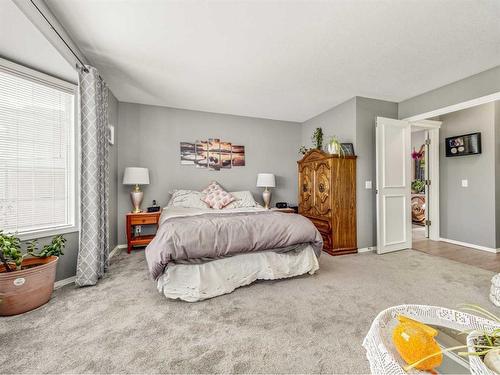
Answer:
(327, 196)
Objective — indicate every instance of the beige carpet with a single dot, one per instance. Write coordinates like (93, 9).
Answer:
(312, 324)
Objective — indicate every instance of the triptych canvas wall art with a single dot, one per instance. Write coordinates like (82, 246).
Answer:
(213, 154)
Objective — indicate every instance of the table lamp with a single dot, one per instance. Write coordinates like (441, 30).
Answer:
(136, 176)
(266, 180)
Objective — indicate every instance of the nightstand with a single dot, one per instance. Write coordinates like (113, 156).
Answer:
(285, 210)
(141, 218)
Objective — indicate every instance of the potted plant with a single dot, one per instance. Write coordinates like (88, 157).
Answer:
(303, 150)
(335, 147)
(317, 138)
(26, 279)
(417, 186)
(483, 345)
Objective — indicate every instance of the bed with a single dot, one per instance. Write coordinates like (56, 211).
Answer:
(200, 253)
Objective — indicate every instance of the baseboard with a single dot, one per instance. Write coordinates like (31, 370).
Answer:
(71, 280)
(116, 250)
(368, 249)
(472, 246)
(63, 282)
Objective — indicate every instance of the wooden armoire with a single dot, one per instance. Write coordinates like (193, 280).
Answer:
(327, 196)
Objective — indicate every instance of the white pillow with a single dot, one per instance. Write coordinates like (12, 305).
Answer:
(187, 198)
(243, 199)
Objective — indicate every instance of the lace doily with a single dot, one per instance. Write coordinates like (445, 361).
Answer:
(383, 357)
(495, 290)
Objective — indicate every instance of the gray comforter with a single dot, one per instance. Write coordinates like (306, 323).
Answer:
(213, 235)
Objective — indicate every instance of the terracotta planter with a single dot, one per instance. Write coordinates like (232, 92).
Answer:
(25, 290)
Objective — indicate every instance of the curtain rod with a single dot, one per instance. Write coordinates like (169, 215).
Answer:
(83, 67)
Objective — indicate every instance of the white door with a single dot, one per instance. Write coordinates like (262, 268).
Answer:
(427, 158)
(393, 185)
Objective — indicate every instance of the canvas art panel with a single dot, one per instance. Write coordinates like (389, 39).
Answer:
(201, 154)
(188, 154)
(213, 154)
(238, 156)
(225, 154)
(214, 161)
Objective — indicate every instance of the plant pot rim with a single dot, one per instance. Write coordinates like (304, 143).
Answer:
(42, 263)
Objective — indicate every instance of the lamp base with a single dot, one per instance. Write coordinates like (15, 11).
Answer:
(136, 196)
(266, 196)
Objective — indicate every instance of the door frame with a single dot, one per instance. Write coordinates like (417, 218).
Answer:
(432, 162)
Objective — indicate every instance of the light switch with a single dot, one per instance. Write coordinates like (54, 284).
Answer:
(368, 184)
(465, 183)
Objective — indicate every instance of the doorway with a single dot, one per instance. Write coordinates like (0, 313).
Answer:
(420, 193)
(396, 174)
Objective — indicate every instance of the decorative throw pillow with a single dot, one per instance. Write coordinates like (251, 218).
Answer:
(216, 197)
(243, 199)
(187, 198)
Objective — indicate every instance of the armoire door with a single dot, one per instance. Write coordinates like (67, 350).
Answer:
(306, 188)
(322, 187)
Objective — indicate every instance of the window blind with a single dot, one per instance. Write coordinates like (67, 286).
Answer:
(36, 154)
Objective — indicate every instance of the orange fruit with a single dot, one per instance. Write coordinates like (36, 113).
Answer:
(431, 331)
(414, 341)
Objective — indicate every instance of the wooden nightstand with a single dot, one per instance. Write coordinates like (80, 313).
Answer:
(141, 218)
(285, 210)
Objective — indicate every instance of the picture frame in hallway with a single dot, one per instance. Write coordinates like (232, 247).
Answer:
(463, 145)
(348, 149)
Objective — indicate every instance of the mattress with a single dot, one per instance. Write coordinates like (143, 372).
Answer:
(197, 281)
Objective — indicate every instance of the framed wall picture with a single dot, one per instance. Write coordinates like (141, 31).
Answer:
(214, 154)
(462, 145)
(348, 149)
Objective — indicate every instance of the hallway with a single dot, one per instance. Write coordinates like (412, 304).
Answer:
(478, 258)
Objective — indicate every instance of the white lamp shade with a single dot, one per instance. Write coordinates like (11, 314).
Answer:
(266, 180)
(136, 176)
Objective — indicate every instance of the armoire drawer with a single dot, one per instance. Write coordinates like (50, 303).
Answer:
(322, 225)
(327, 241)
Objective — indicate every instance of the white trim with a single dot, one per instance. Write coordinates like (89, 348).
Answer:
(49, 232)
(426, 124)
(472, 246)
(116, 250)
(63, 282)
(456, 107)
(71, 280)
(37, 76)
(369, 249)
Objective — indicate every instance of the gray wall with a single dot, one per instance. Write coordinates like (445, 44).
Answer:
(468, 214)
(366, 112)
(476, 86)
(354, 121)
(417, 140)
(150, 135)
(340, 121)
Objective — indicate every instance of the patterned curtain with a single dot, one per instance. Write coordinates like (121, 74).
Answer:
(94, 179)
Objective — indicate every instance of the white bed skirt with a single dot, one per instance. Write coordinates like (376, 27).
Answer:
(196, 282)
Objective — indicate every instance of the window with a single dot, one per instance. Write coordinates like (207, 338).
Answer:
(37, 153)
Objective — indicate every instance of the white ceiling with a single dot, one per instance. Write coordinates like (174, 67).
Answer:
(21, 42)
(287, 60)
